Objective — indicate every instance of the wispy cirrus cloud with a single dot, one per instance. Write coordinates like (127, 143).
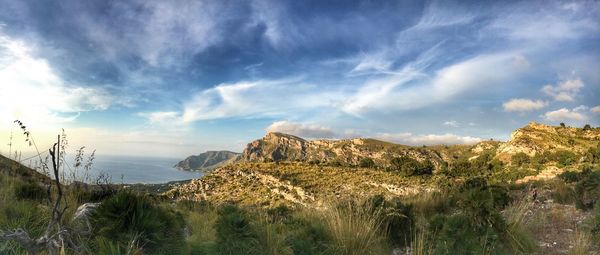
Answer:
(263, 98)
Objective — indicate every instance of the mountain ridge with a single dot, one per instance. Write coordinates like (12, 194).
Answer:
(207, 160)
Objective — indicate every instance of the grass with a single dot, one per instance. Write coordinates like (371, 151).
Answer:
(519, 239)
(355, 230)
(581, 244)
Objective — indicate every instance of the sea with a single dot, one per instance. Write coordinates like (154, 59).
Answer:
(128, 170)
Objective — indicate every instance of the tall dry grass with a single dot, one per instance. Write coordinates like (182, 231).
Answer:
(355, 230)
(581, 244)
(519, 239)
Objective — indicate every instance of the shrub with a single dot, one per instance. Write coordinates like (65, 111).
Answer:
(563, 193)
(593, 155)
(27, 190)
(366, 163)
(408, 166)
(235, 234)
(570, 176)
(520, 159)
(126, 217)
(457, 233)
(587, 191)
(565, 158)
(309, 236)
(397, 218)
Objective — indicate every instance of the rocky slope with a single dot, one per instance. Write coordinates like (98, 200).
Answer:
(207, 160)
(284, 147)
(293, 183)
(537, 138)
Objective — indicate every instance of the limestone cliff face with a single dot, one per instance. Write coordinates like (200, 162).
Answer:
(276, 147)
(284, 147)
(207, 160)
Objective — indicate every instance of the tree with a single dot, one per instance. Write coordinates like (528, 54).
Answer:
(587, 127)
(562, 124)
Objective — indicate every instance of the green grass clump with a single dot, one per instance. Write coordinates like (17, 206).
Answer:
(234, 232)
(28, 190)
(126, 218)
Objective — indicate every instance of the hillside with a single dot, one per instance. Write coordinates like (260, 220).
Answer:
(284, 147)
(207, 160)
(286, 169)
(535, 139)
(14, 169)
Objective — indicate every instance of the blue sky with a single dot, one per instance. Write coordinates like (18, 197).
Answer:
(172, 78)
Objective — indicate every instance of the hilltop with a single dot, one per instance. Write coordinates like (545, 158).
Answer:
(207, 160)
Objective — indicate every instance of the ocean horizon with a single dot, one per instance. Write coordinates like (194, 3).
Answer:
(129, 169)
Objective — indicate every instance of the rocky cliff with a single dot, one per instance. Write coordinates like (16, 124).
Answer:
(207, 160)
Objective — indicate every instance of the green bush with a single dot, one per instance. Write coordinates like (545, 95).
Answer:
(593, 155)
(456, 234)
(366, 163)
(570, 176)
(520, 159)
(409, 167)
(477, 227)
(27, 190)
(398, 219)
(235, 234)
(308, 236)
(565, 158)
(126, 217)
(587, 190)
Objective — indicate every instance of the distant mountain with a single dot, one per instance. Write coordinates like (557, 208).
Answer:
(207, 160)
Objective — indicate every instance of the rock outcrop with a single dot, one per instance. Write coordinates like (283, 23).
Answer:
(207, 160)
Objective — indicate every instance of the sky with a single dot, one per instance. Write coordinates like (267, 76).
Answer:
(175, 78)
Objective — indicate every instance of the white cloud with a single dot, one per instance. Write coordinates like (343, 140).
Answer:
(394, 93)
(595, 109)
(431, 139)
(523, 105)
(164, 118)
(581, 108)
(31, 91)
(451, 123)
(564, 91)
(261, 98)
(564, 114)
(301, 129)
